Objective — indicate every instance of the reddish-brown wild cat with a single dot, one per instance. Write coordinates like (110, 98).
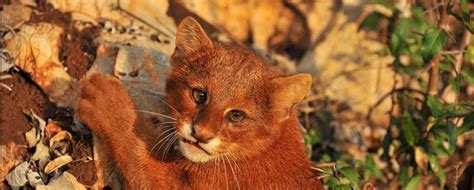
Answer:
(235, 115)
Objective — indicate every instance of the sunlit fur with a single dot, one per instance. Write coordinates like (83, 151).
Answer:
(264, 151)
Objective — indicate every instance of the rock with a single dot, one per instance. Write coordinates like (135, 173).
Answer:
(14, 15)
(231, 15)
(270, 24)
(153, 12)
(347, 63)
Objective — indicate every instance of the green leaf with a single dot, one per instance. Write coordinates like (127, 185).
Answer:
(464, 6)
(433, 123)
(404, 175)
(435, 106)
(455, 84)
(371, 168)
(442, 178)
(341, 164)
(331, 181)
(437, 170)
(467, 125)
(468, 76)
(409, 129)
(434, 163)
(451, 137)
(414, 182)
(371, 21)
(352, 175)
(343, 187)
(385, 4)
(433, 42)
(387, 140)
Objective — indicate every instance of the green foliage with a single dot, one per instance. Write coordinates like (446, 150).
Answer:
(414, 182)
(464, 16)
(433, 42)
(341, 176)
(425, 127)
(410, 130)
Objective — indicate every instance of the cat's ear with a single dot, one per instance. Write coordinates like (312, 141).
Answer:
(288, 92)
(190, 40)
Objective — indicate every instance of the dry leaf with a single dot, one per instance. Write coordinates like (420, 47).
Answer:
(57, 163)
(41, 154)
(52, 129)
(35, 134)
(34, 178)
(421, 159)
(60, 142)
(17, 177)
(66, 181)
(6, 63)
(31, 137)
(35, 50)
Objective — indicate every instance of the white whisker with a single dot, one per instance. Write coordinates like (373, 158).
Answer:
(163, 140)
(156, 92)
(234, 160)
(170, 144)
(155, 113)
(168, 122)
(225, 171)
(170, 128)
(163, 101)
(232, 170)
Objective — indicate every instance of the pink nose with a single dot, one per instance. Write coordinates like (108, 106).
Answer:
(202, 134)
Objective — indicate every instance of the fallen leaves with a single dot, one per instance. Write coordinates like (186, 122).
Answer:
(17, 177)
(35, 134)
(50, 155)
(65, 181)
(57, 163)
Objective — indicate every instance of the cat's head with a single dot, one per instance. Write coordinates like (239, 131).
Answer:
(227, 100)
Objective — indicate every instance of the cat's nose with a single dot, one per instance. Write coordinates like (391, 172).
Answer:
(202, 134)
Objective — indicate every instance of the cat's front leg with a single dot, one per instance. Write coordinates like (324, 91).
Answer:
(106, 106)
(107, 109)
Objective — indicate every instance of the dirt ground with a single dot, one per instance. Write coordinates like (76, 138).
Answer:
(77, 53)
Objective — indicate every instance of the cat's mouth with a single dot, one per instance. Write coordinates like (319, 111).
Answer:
(194, 145)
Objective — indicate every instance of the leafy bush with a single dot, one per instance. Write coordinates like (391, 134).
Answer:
(433, 58)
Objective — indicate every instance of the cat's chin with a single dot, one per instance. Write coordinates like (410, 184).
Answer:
(193, 152)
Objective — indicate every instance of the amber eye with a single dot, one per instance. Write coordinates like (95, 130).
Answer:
(199, 96)
(236, 115)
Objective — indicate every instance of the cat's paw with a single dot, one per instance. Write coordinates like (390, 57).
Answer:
(105, 105)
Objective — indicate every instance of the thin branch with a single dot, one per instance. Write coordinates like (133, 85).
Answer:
(443, 24)
(396, 90)
(459, 60)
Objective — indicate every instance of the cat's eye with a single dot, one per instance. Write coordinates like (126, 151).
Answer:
(199, 96)
(236, 116)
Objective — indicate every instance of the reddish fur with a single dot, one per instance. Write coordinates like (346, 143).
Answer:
(271, 154)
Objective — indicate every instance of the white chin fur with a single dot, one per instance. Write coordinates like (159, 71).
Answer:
(193, 155)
